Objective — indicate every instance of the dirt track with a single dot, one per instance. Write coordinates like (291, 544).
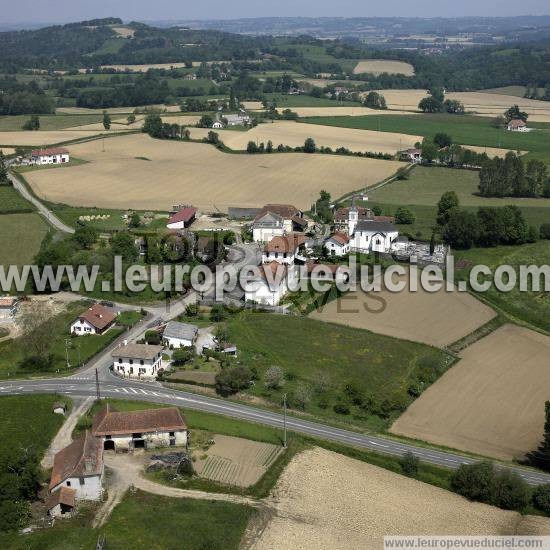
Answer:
(491, 402)
(328, 501)
(198, 174)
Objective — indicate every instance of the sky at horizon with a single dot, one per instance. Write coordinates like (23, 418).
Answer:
(62, 11)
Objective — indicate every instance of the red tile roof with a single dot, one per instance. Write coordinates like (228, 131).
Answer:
(98, 316)
(340, 238)
(8, 301)
(111, 422)
(49, 151)
(184, 215)
(64, 495)
(289, 243)
(83, 457)
(268, 272)
(342, 214)
(517, 123)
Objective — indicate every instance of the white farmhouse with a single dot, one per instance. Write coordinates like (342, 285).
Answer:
(146, 429)
(271, 285)
(179, 335)
(239, 119)
(337, 244)
(137, 360)
(95, 320)
(79, 467)
(53, 155)
(182, 218)
(517, 125)
(373, 236)
(284, 250)
(61, 503)
(217, 125)
(276, 220)
(8, 307)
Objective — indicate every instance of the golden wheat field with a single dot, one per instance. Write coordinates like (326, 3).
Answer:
(491, 402)
(481, 103)
(434, 318)
(345, 111)
(116, 110)
(295, 133)
(47, 137)
(136, 171)
(379, 66)
(327, 501)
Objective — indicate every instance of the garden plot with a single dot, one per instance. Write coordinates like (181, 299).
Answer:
(491, 402)
(236, 461)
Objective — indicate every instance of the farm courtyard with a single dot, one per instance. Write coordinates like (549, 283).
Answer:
(135, 171)
(491, 402)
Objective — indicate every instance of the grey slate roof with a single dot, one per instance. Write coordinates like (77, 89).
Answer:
(234, 212)
(382, 227)
(182, 331)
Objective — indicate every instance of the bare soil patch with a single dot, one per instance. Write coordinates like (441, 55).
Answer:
(235, 461)
(434, 318)
(379, 66)
(491, 402)
(328, 501)
(198, 174)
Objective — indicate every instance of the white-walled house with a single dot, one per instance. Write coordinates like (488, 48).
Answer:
(179, 335)
(53, 155)
(337, 244)
(137, 360)
(373, 236)
(271, 285)
(79, 467)
(183, 218)
(517, 125)
(283, 249)
(61, 503)
(97, 319)
(276, 220)
(145, 429)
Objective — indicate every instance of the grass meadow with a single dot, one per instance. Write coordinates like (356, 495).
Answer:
(11, 202)
(48, 122)
(20, 237)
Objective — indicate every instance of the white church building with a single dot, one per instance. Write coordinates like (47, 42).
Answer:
(370, 235)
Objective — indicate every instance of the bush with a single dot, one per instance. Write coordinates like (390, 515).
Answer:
(218, 313)
(340, 408)
(192, 310)
(541, 498)
(545, 231)
(474, 481)
(182, 355)
(232, 380)
(152, 337)
(409, 464)
(510, 491)
(404, 216)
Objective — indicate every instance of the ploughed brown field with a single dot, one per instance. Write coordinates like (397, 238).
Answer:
(324, 501)
(491, 402)
(434, 318)
(294, 134)
(136, 171)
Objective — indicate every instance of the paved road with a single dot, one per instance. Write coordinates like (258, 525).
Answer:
(48, 214)
(142, 391)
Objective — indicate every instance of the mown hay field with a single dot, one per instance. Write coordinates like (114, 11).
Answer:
(491, 402)
(481, 103)
(196, 173)
(434, 318)
(324, 500)
(236, 461)
(294, 134)
(20, 237)
(379, 66)
(358, 110)
(46, 138)
(116, 110)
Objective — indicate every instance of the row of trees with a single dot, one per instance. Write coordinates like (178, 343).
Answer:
(436, 103)
(513, 177)
(488, 227)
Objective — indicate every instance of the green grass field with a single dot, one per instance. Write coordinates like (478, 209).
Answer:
(48, 122)
(20, 237)
(421, 192)
(143, 520)
(84, 347)
(289, 101)
(531, 307)
(465, 130)
(12, 202)
(29, 421)
(308, 350)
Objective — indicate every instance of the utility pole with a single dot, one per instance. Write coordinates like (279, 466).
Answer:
(284, 420)
(98, 395)
(67, 344)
